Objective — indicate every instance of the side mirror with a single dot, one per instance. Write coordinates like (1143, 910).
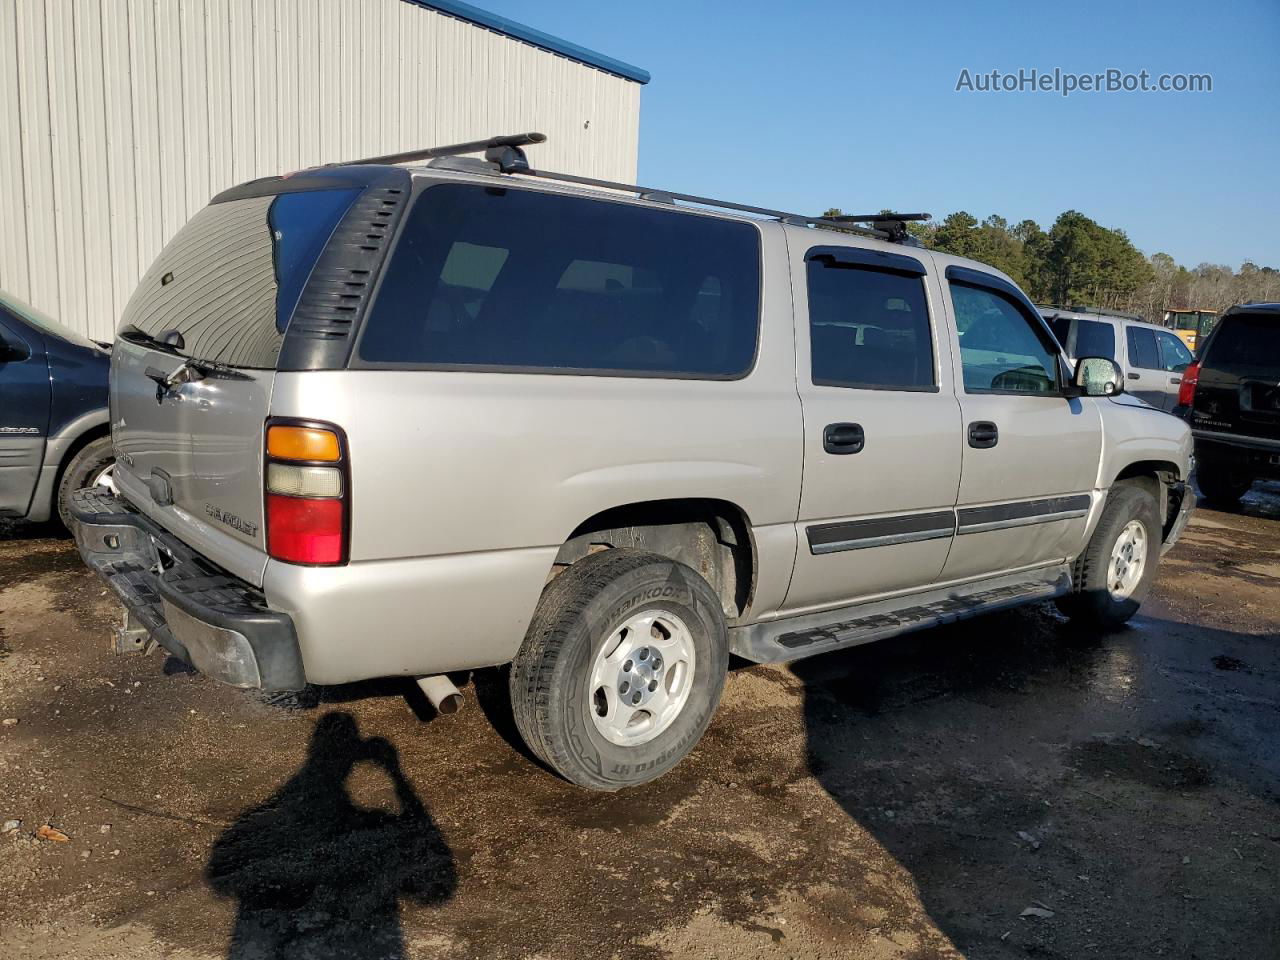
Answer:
(1098, 377)
(13, 352)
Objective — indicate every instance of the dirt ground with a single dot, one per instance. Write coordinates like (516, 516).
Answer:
(907, 799)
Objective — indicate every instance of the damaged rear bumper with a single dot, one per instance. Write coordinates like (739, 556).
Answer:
(199, 613)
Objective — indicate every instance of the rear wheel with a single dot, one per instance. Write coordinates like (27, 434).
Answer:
(1113, 574)
(621, 669)
(1221, 484)
(92, 466)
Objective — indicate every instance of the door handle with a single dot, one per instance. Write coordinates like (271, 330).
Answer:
(1135, 376)
(1175, 380)
(983, 434)
(843, 438)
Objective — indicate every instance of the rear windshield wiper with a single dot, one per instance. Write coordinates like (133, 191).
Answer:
(171, 342)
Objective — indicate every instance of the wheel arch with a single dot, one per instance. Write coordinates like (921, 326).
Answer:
(711, 536)
(1158, 478)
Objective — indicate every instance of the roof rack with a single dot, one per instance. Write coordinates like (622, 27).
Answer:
(1096, 311)
(506, 155)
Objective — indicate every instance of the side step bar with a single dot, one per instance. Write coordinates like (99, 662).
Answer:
(791, 638)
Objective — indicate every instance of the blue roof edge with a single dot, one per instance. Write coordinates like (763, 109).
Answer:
(518, 31)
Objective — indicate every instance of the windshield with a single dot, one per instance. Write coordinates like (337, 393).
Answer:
(229, 280)
(42, 321)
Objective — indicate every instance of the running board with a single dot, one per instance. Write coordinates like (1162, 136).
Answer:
(776, 641)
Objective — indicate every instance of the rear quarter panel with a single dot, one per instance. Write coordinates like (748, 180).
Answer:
(486, 474)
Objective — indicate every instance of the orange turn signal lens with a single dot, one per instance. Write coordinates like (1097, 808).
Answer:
(303, 443)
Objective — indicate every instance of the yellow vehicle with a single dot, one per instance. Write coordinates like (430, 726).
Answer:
(1191, 325)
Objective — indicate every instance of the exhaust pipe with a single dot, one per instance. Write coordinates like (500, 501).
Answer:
(444, 696)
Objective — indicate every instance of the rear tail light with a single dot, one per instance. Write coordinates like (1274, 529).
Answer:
(307, 493)
(1187, 389)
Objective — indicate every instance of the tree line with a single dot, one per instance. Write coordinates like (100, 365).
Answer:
(1078, 262)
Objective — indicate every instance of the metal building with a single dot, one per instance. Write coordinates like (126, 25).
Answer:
(119, 119)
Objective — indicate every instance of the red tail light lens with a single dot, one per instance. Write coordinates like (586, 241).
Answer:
(301, 530)
(307, 482)
(1187, 389)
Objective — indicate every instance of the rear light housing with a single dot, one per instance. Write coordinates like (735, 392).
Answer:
(1187, 389)
(307, 481)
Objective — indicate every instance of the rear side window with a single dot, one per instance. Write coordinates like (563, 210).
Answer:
(1095, 339)
(1245, 341)
(1142, 349)
(868, 328)
(492, 278)
(229, 280)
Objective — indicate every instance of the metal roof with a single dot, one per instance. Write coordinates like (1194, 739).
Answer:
(518, 31)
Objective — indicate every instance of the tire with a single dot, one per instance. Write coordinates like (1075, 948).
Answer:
(1092, 601)
(580, 619)
(1220, 484)
(88, 463)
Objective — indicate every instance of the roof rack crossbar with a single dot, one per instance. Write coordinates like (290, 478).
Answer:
(670, 196)
(881, 217)
(508, 145)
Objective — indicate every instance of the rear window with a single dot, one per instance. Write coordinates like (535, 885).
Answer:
(1094, 339)
(1245, 340)
(229, 280)
(491, 278)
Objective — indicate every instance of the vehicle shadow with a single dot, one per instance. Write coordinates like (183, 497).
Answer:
(317, 876)
(991, 757)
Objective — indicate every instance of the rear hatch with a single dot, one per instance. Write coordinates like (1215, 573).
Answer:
(195, 361)
(1239, 387)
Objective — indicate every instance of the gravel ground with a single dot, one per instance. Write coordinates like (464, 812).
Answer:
(1001, 788)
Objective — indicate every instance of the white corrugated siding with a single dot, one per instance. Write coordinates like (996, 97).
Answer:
(120, 118)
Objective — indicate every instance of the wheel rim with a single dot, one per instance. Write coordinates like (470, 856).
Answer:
(641, 678)
(105, 477)
(1128, 561)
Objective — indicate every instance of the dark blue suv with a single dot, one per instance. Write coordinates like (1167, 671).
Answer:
(54, 431)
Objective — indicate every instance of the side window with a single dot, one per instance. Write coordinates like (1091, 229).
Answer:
(1095, 339)
(1142, 349)
(1002, 350)
(486, 277)
(1061, 327)
(1174, 355)
(868, 328)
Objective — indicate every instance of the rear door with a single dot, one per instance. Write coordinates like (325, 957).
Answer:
(1146, 378)
(188, 417)
(1239, 386)
(1030, 454)
(881, 425)
(24, 413)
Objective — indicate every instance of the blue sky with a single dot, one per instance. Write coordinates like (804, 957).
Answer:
(806, 105)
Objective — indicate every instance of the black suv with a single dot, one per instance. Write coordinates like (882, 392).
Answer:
(1231, 398)
(54, 435)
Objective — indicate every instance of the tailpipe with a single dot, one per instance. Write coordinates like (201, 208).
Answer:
(444, 696)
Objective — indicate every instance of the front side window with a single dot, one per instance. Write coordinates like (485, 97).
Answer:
(868, 328)
(1002, 350)
(1143, 352)
(1095, 339)
(489, 277)
(1174, 355)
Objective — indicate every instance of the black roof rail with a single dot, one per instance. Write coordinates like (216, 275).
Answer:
(504, 150)
(506, 154)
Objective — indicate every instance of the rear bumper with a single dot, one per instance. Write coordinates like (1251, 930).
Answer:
(199, 613)
(1257, 456)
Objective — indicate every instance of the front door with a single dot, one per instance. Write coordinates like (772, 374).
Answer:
(881, 426)
(1174, 360)
(1030, 454)
(24, 414)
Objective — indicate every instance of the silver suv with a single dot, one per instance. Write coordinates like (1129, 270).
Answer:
(374, 420)
(1153, 359)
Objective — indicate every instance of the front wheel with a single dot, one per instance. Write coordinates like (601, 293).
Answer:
(621, 669)
(1113, 574)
